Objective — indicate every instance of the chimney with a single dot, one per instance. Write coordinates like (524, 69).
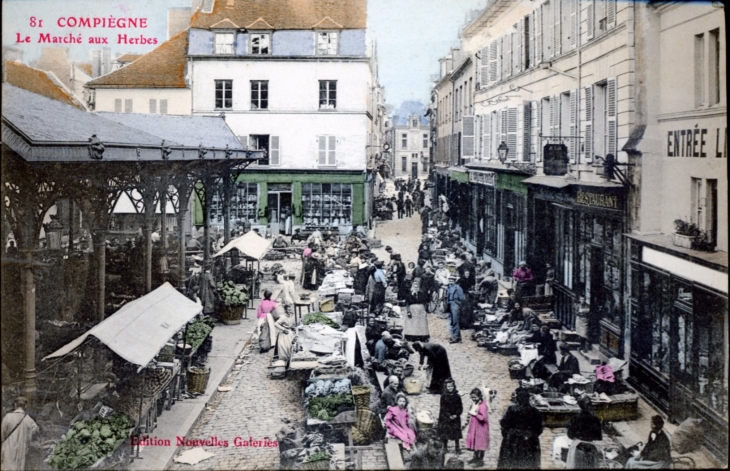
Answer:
(95, 63)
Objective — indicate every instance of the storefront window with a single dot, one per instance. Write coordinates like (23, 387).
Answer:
(490, 221)
(710, 315)
(327, 204)
(245, 203)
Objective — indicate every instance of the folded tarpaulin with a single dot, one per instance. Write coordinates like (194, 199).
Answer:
(250, 244)
(138, 331)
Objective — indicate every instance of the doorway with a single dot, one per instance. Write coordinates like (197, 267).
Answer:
(280, 209)
(414, 170)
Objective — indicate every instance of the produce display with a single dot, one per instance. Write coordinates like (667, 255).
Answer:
(318, 456)
(325, 387)
(327, 407)
(89, 441)
(198, 331)
(318, 317)
(128, 404)
(230, 295)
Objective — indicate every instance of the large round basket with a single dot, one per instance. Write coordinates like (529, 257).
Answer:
(367, 425)
(198, 379)
(231, 315)
(362, 397)
(516, 369)
(319, 464)
(412, 386)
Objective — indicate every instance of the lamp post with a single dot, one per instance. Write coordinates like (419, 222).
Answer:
(503, 151)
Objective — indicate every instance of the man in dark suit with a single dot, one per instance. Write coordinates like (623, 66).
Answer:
(657, 454)
(568, 362)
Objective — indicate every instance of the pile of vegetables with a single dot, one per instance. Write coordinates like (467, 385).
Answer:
(318, 317)
(318, 456)
(89, 441)
(230, 295)
(326, 407)
(198, 331)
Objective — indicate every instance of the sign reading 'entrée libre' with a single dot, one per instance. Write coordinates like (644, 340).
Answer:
(556, 159)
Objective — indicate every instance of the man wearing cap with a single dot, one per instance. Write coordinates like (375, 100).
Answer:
(568, 362)
(454, 299)
(381, 347)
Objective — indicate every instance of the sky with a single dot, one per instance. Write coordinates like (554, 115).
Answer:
(411, 35)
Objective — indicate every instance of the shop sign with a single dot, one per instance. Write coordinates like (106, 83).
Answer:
(483, 178)
(697, 142)
(599, 200)
(555, 159)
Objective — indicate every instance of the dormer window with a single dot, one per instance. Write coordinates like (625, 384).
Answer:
(326, 43)
(260, 44)
(414, 123)
(224, 43)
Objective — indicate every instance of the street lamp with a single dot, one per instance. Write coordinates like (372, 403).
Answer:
(503, 150)
(54, 229)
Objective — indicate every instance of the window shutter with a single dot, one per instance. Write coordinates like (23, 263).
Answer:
(467, 137)
(163, 106)
(484, 69)
(587, 123)
(547, 17)
(610, 14)
(486, 135)
(503, 122)
(118, 105)
(477, 137)
(611, 105)
(519, 63)
(128, 105)
(332, 150)
(531, 39)
(537, 28)
(574, 6)
(555, 115)
(590, 19)
(557, 36)
(153, 106)
(275, 151)
(322, 150)
(506, 55)
(535, 126)
(572, 142)
(496, 133)
(493, 62)
(524, 136)
(512, 132)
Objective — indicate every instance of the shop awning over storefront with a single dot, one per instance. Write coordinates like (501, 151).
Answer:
(250, 244)
(553, 182)
(138, 331)
(460, 174)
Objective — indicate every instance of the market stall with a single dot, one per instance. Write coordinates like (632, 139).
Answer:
(253, 247)
(149, 372)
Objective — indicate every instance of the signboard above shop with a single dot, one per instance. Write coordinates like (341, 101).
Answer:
(555, 159)
(483, 178)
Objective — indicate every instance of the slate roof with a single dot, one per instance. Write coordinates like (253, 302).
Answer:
(42, 119)
(37, 81)
(162, 67)
(190, 131)
(285, 14)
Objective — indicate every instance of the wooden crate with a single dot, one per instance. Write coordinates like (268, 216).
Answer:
(622, 407)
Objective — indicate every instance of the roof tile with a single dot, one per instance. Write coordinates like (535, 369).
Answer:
(162, 67)
(285, 14)
(37, 81)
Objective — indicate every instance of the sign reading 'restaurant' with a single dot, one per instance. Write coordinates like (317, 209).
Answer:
(697, 142)
(599, 200)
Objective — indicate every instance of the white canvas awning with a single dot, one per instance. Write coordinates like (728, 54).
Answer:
(250, 244)
(138, 331)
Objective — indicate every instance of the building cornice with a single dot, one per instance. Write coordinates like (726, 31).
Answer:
(254, 58)
(716, 111)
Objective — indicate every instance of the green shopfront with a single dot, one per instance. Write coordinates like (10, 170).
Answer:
(285, 201)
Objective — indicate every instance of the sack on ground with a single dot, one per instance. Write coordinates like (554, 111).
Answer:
(688, 436)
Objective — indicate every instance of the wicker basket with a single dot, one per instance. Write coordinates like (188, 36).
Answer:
(362, 397)
(412, 386)
(231, 315)
(198, 379)
(367, 425)
(319, 464)
(516, 369)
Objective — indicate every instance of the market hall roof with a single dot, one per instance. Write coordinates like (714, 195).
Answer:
(285, 14)
(37, 81)
(162, 67)
(40, 129)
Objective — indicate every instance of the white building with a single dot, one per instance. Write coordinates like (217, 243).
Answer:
(298, 83)
(411, 144)
(153, 83)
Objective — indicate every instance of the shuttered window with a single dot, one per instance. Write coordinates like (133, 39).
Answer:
(506, 55)
(511, 132)
(467, 137)
(590, 19)
(537, 35)
(535, 140)
(611, 111)
(547, 30)
(611, 14)
(153, 106)
(118, 105)
(486, 135)
(587, 124)
(163, 106)
(327, 150)
(128, 105)
(484, 67)
(493, 61)
(574, 19)
(557, 31)
(572, 130)
(274, 151)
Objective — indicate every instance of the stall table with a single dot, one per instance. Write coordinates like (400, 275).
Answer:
(557, 413)
(299, 305)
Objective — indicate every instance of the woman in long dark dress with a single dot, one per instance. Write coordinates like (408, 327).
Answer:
(438, 360)
(449, 426)
(521, 429)
(415, 325)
